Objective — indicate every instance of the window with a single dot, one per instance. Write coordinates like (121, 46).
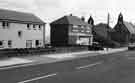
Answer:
(34, 27)
(28, 43)
(37, 43)
(5, 24)
(88, 31)
(28, 26)
(88, 28)
(40, 43)
(20, 33)
(9, 43)
(75, 26)
(83, 41)
(39, 27)
(1, 44)
(75, 30)
(82, 26)
(82, 30)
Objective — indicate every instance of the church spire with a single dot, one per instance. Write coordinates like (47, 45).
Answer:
(91, 21)
(120, 18)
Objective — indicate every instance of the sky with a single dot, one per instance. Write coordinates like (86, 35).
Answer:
(50, 10)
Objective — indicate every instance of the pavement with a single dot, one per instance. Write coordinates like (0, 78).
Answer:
(116, 67)
(50, 58)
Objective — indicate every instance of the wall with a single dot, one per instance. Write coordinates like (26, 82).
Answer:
(120, 34)
(11, 33)
(59, 35)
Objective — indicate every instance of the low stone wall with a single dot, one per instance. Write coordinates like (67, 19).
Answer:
(71, 49)
(25, 51)
(39, 51)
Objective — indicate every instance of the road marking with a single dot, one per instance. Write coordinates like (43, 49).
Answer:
(16, 66)
(131, 58)
(90, 65)
(38, 78)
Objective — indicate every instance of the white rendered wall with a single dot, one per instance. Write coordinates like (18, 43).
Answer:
(11, 33)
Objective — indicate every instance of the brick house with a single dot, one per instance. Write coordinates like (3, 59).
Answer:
(71, 31)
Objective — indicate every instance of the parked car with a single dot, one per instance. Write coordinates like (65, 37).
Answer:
(96, 46)
(48, 46)
(131, 46)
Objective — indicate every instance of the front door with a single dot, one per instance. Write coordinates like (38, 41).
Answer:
(37, 43)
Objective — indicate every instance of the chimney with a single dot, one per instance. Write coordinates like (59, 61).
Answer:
(71, 14)
(82, 18)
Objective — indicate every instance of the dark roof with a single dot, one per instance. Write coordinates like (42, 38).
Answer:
(18, 16)
(130, 27)
(74, 20)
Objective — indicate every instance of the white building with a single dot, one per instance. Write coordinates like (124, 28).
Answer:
(21, 30)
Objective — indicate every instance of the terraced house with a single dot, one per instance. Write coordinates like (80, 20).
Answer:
(71, 31)
(20, 30)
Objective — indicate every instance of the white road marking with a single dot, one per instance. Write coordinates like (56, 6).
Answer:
(38, 78)
(90, 65)
(16, 66)
(131, 58)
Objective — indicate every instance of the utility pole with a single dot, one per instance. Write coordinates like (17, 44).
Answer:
(108, 20)
(108, 23)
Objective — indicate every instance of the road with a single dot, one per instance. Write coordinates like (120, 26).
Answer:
(112, 68)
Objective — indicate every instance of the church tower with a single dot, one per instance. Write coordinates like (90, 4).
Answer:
(120, 18)
(91, 21)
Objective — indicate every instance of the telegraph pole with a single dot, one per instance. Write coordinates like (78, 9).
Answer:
(108, 20)
(108, 23)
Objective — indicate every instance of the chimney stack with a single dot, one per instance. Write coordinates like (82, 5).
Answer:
(82, 18)
(71, 14)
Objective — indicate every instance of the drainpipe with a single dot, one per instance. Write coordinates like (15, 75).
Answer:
(44, 35)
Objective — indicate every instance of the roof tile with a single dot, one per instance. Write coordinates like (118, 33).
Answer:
(74, 20)
(18, 16)
(130, 27)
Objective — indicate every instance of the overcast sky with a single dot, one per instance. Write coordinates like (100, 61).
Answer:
(49, 10)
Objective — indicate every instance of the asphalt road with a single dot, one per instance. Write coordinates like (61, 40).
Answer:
(112, 68)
